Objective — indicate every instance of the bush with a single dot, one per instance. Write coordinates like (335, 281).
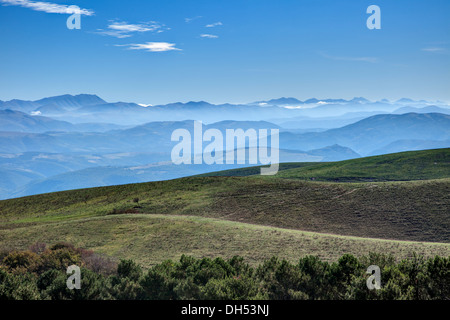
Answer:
(40, 273)
(18, 287)
(99, 264)
(129, 269)
(234, 288)
(93, 287)
(20, 260)
(59, 259)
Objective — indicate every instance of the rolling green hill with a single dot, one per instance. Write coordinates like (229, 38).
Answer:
(287, 215)
(152, 239)
(404, 166)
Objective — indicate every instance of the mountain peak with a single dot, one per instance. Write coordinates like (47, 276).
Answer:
(280, 101)
(71, 101)
(359, 100)
(312, 100)
(196, 103)
(405, 100)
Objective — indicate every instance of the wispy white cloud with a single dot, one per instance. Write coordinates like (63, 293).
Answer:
(47, 7)
(113, 33)
(360, 59)
(188, 20)
(209, 36)
(126, 27)
(215, 24)
(120, 29)
(434, 49)
(151, 46)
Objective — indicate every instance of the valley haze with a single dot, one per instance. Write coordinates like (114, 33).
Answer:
(80, 141)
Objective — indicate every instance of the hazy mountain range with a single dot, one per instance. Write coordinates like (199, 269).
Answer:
(67, 142)
(86, 108)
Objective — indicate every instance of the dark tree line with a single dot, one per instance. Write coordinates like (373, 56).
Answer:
(40, 273)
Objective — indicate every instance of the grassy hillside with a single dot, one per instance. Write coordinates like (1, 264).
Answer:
(404, 166)
(151, 239)
(253, 216)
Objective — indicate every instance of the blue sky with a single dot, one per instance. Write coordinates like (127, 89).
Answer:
(156, 52)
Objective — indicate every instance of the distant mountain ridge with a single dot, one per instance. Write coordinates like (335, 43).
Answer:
(71, 102)
(84, 108)
(71, 141)
(18, 121)
(375, 132)
(364, 136)
(294, 101)
(64, 101)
